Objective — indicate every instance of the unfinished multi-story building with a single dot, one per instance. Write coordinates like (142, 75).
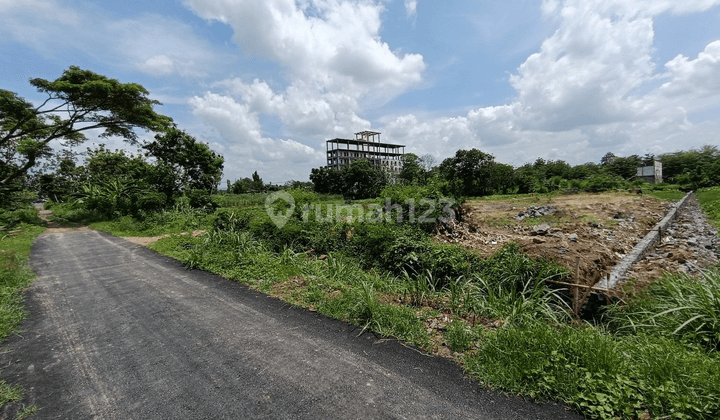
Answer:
(367, 145)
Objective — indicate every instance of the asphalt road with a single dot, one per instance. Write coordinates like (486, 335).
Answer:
(118, 331)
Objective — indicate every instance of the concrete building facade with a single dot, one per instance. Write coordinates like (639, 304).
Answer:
(366, 145)
(651, 174)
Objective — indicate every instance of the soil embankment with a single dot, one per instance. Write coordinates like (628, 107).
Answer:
(597, 229)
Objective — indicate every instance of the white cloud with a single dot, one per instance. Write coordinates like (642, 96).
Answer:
(336, 66)
(576, 97)
(411, 8)
(696, 78)
(150, 43)
(159, 64)
(245, 146)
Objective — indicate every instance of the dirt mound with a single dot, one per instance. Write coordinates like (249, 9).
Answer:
(597, 229)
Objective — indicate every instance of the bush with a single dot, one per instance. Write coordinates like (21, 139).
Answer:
(231, 220)
(27, 215)
(151, 202)
(418, 203)
(200, 199)
(599, 183)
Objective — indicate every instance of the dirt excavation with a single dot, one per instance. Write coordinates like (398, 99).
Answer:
(689, 244)
(599, 229)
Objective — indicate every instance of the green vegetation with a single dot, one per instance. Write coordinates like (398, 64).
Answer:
(657, 354)
(89, 101)
(601, 375)
(27, 412)
(358, 246)
(676, 305)
(15, 276)
(670, 194)
(709, 199)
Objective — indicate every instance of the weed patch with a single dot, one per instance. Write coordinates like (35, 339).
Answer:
(15, 276)
(601, 376)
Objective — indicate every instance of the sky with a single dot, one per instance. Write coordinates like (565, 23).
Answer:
(267, 82)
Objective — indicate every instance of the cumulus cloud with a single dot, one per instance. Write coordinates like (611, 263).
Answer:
(332, 54)
(577, 96)
(333, 44)
(696, 78)
(239, 128)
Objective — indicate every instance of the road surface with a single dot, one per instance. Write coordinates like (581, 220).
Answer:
(118, 331)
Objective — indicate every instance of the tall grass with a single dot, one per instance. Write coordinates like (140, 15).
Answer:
(15, 275)
(709, 199)
(602, 376)
(240, 200)
(676, 305)
(519, 302)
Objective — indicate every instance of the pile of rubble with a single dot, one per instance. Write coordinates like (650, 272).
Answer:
(688, 245)
(534, 211)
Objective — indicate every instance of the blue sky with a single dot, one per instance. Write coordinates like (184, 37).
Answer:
(265, 83)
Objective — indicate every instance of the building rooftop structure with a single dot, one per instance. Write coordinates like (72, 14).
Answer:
(366, 145)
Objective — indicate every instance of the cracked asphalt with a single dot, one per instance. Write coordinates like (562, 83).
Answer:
(119, 331)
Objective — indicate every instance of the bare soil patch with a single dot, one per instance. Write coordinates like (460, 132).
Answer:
(55, 228)
(599, 229)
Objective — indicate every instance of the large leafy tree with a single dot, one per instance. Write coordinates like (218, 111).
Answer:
(412, 172)
(184, 163)
(625, 167)
(468, 173)
(357, 180)
(78, 101)
(362, 180)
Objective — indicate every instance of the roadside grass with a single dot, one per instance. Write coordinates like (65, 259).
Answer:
(15, 276)
(258, 199)
(676, 305)
(27, 412)
(709, 199)
(672, 195)
(600, 375)
(180, 218)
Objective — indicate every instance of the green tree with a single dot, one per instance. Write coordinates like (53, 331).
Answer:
(502, 178)
(78, 101)
(326, 180)
(240, 186)
(468, 172)
(624, 167)
(361, 180)
(412, 172)
(692, 168)
(185, 164)
(257, 182)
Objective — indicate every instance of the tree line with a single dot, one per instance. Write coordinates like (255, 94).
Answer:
(474, 173)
